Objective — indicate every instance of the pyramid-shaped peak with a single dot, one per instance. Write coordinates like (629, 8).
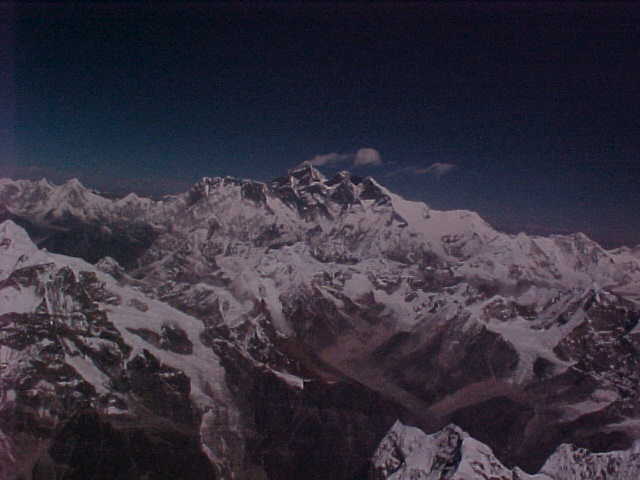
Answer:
(306, 173)
(74, 183)
(43, 182)
(372, 190)
(341, 177)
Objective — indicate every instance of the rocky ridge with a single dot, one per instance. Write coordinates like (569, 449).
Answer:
(407, 453)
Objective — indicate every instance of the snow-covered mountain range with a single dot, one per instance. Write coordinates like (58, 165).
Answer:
(303, 312)
(407, 453)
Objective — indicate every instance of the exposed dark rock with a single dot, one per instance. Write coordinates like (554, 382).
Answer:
(500, 421)
(447, 360)
(124, 242)
(162, 389)
(138, 304)
(175, 339)
(147, 335)
(297, 432)
(255, 192)
(90, 446)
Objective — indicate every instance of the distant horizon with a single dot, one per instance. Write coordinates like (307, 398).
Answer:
(158, 190)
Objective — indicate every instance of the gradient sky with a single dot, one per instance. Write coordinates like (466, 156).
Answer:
(527, 114)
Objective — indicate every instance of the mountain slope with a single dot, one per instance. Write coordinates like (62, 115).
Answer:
(101, 381)
(77, 348)
(523, 341)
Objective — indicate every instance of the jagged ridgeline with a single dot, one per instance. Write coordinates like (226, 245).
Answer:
(280, 330)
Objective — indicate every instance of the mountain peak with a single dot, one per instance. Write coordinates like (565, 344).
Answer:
(43, 182)
(10, 229)
(306, 173)
(372, 190)
(15, 243)
(74, 183)
(341, 177)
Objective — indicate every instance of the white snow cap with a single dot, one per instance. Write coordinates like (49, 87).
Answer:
(11, 230)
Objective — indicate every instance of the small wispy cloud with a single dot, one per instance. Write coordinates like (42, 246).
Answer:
(437, 169)
(329, 159)
(363, 157)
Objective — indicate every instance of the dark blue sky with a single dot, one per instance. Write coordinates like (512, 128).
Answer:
(536, 106)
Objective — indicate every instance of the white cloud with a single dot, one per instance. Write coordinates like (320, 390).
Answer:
(367, 156)
(437, 169)
(363, 157)
(329, 159)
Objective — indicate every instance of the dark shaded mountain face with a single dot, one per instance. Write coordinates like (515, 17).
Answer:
(278, 330)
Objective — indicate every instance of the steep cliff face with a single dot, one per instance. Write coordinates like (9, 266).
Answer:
(525, 342)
